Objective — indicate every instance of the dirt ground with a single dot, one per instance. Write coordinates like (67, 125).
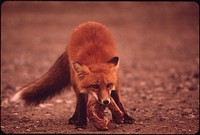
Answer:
(158, 46)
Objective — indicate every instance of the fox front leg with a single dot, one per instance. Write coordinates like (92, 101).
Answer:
(127, 118)
(79, 117)
(82, 111)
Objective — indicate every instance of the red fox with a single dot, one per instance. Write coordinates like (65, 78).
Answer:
(90, 65)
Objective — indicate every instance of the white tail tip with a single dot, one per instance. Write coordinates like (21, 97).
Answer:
(16, 97)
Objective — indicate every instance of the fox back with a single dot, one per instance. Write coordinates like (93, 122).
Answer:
(91, 43)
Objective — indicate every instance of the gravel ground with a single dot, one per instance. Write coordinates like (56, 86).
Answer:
(158, 46)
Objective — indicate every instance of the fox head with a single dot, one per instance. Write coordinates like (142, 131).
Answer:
(97, 79)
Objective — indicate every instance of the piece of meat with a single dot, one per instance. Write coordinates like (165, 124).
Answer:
(96, 115)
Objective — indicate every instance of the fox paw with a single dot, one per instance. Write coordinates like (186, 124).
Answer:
(80, 125)
(128, 119)
(72, 120)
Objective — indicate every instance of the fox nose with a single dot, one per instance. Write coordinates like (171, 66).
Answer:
(105, 102)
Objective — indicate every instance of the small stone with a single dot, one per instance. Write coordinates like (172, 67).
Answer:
(159, 89)
(184, 77)
(134, 109)
(172, 112)
(59, 101)
(45, 105)
(116, 126)
(47, 114)
(187, 110)
(179, 87)
(182, 122)
(187, 84)
(163, 118)
(16, 114)
(191, 116)
(68, 101)
(141, 123)
(127, 88)
(161, 98)
(25, 117)
(164, 126)
(149, 91)
(143, 96)
(28, 130)
(142, 83)
(157, 82)
(172, 70)
(123, 130)
(42, 105)
(192, 88)
(137, 130)
(184, 130)
(4, 103)
(49, 105)
(150, 97)
(160, 104)
(196, 75)
(129, 76)
(80, 129)
(183, 101)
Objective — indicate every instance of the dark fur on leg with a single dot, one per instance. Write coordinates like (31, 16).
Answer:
(127, 118)
(74, 117)
(82, 111)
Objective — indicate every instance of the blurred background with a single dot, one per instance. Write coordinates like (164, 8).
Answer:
(156, 41)
(153, 31)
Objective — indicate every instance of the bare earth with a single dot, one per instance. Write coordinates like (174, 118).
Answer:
(158, 46)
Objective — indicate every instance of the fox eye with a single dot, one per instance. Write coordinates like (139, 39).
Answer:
(95, 86)
(109, 85)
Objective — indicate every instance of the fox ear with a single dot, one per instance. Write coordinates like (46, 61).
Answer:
(80, 70)
(114, 61)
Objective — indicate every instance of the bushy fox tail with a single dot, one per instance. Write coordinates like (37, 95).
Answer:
(47, 86)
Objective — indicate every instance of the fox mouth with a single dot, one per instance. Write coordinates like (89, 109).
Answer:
(105, 102)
